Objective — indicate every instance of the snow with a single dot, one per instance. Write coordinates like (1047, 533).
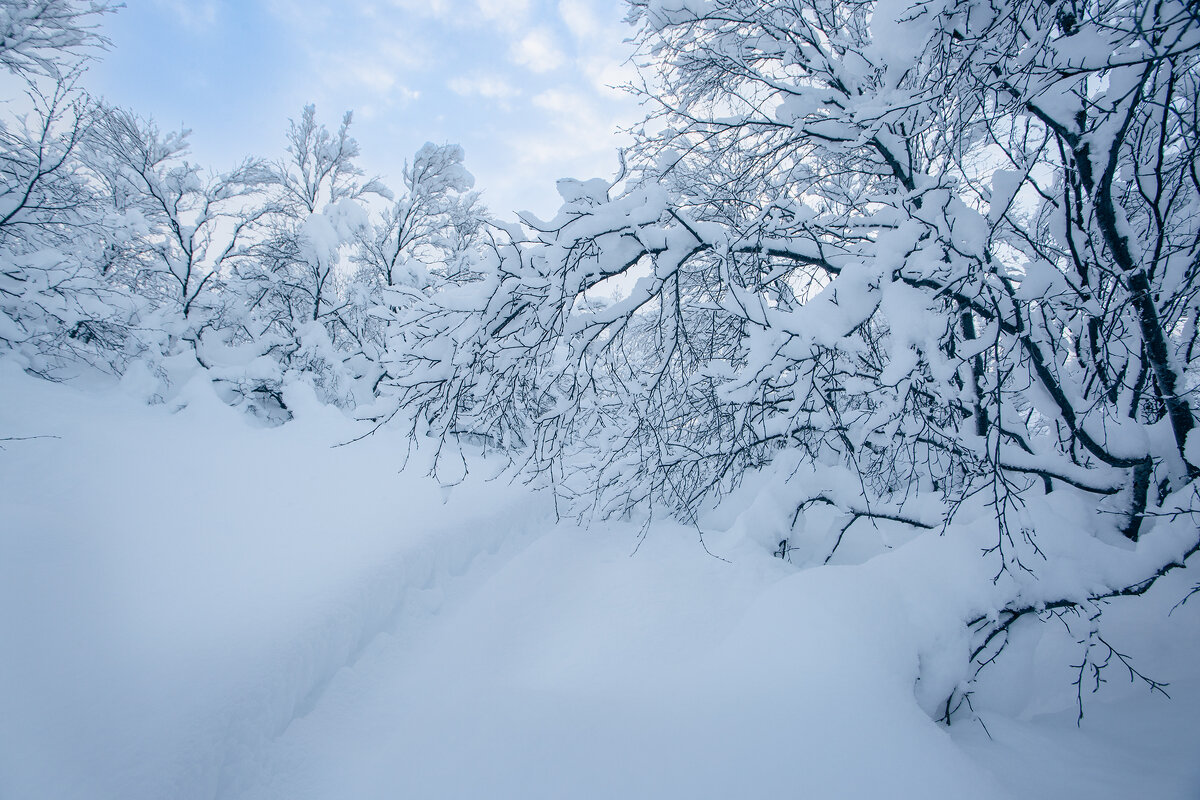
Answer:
(322, 234)
(577, 671)
(1192, 449)
(192, 607)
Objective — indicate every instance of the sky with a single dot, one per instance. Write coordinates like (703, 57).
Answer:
(525, 86)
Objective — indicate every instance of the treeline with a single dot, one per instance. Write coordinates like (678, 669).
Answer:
(115, 249)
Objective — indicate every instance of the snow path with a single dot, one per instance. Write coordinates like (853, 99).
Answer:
(179, 596)
(577, 671)
(413, 585)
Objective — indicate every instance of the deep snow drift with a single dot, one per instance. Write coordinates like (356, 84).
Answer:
(192, 607)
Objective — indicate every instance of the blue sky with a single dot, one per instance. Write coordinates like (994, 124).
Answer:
(523, 85)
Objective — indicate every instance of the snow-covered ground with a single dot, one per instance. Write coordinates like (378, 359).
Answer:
(192, 607)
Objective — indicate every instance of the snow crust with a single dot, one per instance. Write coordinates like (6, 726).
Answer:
(194, 608)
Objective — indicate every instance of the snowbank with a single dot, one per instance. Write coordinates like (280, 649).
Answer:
(192, 607)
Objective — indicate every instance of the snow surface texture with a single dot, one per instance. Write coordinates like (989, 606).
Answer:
(193, 608)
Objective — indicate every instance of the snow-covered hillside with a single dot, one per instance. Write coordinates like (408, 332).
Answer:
(191, 607)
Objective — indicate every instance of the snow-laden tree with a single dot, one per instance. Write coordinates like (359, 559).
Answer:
(312, 214)
(317, 211)
(924, 172)
(55, 304)
(195, 223)
(58, 304)
(925, 265)
(420, 241)
(175, 240)
(49, 37)
(435, 216)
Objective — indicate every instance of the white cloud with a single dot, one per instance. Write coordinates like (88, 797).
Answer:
(300, 13)
(373, 77)
(564, 102)
(581, 135)
(510, 11)
(601, 53)
(359, 55)
(606, 75)
(194, 14)
(407, 53)
(350, 80)
(538, 51)
(489, 86)
(508, 14)
(438, 9)
(579, 18)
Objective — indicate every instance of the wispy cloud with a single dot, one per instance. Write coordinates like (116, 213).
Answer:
(489, 86)
(538, 51)
(509, 13)
(361, 55)
(601, 52)
(580, 134)
(579, 18)
(197, 15)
